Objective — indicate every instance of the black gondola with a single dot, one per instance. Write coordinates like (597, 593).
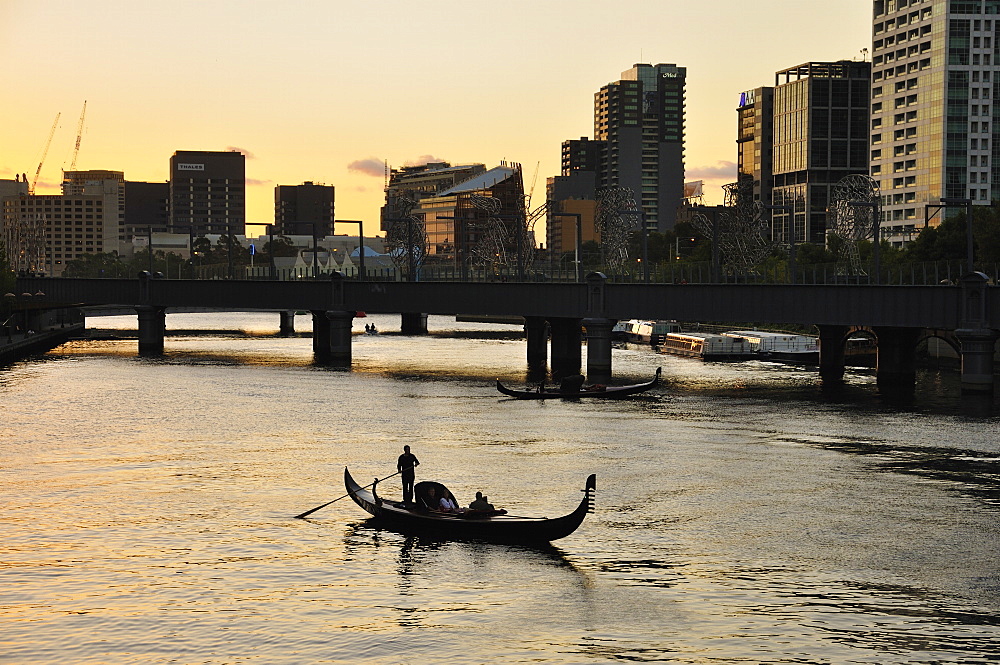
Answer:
(607, 392)
(494, 526)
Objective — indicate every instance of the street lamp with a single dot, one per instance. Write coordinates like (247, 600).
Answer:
(645, 240)
(578, 249)
(790, 211)
(950, 202)
(361, 240)
(877, 224)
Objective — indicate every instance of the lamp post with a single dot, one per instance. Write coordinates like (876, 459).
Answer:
(270, 251)
(645, 240)
(361, 241)
(229, 249)
(790, 211)
(312, 225)
(191, 248)
(579, 241)
(876, 223)
(946, 202)
(149, 238)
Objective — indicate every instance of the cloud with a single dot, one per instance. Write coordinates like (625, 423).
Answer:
(721, 170)
(372, 166)
(254, 181)
(423, 159)
(246, 153)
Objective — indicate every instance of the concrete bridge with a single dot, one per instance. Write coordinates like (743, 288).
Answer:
(897, 315)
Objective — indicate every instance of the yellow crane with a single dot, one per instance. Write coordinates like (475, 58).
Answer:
(45, 151)
(79, 135)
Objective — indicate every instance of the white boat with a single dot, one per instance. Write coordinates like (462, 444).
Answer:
(639, 331)
(707, 346)
(784, 347)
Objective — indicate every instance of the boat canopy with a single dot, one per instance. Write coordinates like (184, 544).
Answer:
(421, 493)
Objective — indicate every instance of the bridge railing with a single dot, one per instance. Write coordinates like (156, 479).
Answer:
(908, 274)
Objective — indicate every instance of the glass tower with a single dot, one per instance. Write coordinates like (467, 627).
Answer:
(934, 104)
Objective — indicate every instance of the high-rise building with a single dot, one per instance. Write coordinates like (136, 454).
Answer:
(306, 209)
(797, 139)
(110, 186)
(146, 207)
(582, 155)
(755, 141)
(641, 120)
(934, 125)
(208, 192)
(821, 114)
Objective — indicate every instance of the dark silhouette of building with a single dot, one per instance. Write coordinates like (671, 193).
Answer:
(641, 120)
(304, 209)
(146, 205)
(802, 136)
(208, 192)
(408, 185)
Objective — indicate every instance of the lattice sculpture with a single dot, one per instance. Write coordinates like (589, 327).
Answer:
(497, 249)
(406, 239)
(855, 210)
(24, 241)
(616, 220)
(744, 241)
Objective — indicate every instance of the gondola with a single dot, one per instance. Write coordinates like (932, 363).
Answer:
(493, 526)
(607, 392)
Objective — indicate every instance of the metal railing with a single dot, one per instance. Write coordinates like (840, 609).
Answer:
(907, 274)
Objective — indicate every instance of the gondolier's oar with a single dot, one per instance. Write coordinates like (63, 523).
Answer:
(310, 512)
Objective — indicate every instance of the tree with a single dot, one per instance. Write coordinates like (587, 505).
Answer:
(97, 265)
(7, 276)
(281, 246)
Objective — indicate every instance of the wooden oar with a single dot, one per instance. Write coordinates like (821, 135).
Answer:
(310, 512)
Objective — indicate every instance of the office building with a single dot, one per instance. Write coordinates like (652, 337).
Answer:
(110, 186)
(820, 135)
(461, 222)
(208, 192)
(572, 206)
(306, 209)
(755, 141)
(409, 185)
(147, 206)
(934, 108)
(54, 229)
(640, 119)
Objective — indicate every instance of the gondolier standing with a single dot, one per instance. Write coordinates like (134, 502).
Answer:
(407, 461)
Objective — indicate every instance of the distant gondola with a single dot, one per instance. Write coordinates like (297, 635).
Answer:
(607, 392)
(494, 526)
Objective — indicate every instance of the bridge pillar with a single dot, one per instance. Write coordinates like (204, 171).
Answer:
(978, 341)
(413, 323)
(286, 322)
(152, 328)
(565, 347)
(536, 332)
(831, 352)
(896, 368)
(332, 336)
(978, 346)
(598, 349)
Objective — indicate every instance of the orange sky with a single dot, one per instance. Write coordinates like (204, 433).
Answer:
(321, 89)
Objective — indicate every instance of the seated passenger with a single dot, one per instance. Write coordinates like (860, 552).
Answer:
(430, 501)
(447, 503)
(480, 503)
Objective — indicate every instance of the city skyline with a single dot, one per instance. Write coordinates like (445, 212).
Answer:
(309, 93)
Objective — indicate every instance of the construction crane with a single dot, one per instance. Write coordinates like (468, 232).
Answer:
(45, 151)
(79, 135)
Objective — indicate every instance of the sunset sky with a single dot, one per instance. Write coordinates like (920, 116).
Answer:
(329, 90)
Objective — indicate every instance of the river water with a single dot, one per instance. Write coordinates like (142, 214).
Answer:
(743, 515)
